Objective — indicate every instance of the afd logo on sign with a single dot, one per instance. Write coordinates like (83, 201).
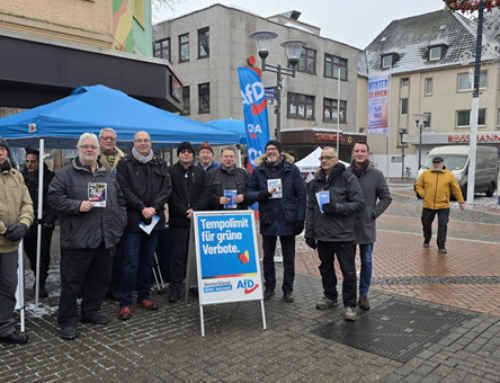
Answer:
(254, 95)
(247, 284)
(253, 130)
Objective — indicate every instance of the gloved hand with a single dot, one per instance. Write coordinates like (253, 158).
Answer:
(48, 226)
(299, 227)
(8, 226)
(329, 208)
(264, 195)
(16, 232)
(311, 243)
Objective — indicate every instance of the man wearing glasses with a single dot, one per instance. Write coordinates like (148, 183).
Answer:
(146, 186)
(279, 188)
(109, 156)
(89, 233)
(334, 199)
(190, 192)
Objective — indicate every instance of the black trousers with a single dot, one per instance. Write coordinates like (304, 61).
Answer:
(179, 236)
(92, 267)
(346, 252)
(30, 243)
(427, 219)
(114, 285)
(8, 286)
(163, 252)
(288, 249)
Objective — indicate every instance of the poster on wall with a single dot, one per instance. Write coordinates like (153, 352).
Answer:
(378, 104)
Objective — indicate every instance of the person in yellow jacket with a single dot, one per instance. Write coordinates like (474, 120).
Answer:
(16, 212)
(435, 186)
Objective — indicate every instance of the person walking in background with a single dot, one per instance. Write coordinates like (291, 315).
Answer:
(89, 234)
(49, 217)
(377, 198)
(146, 186)
(334, 199)
(434, 186)
(277, 184)
(16, 210)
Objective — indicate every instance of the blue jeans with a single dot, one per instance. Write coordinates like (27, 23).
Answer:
(137, 263)
(365, 278)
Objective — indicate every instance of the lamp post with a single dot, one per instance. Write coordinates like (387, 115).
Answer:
(420, 119)
(293, 52)
(403, 131)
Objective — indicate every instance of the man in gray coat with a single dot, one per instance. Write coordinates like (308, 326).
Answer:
(374, 188)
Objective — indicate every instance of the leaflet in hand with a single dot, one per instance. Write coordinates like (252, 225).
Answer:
(230, 194)
(97, 193)
(149, 228)
(275, 184)
(322, 197)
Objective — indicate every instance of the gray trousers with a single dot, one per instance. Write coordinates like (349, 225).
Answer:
(8, 286)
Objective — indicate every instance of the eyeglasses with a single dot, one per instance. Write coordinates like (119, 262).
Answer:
(88, 147)
(108, 139)
(326, 158)
(271, 150)
(185, 151)
(144, 141)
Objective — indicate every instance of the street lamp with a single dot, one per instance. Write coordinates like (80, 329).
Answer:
(403, 131)
(293, 52)
(420, 119)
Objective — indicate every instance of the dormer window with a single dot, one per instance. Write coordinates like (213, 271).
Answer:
(435, 53)
(387, 61)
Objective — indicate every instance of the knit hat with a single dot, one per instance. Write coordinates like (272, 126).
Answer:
(274, 143)
(207, 146)
(4, 143)
(186, 145)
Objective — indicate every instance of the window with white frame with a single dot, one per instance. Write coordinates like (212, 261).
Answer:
(463, 118)
(387, 61)
(405, 82)
(428, 86)
(435, 53)
(427, 124)
(464, 82)
(404, 106)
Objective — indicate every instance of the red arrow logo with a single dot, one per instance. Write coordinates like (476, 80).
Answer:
(256, 109)
(248, 291)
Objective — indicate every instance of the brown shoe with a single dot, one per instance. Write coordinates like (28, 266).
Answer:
(125, 313)
(147, 304)
(363, 303)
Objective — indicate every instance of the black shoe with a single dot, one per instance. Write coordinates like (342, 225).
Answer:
(288, 297)
(193, 291)
(42, 292)
(268, 293)
(113, 295)
(97, 319)
(442, 250)
(68, 332)
(174, 296)
(15, 338)
(426, 244)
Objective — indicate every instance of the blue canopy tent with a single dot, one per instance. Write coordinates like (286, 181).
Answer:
(231, 125)
(91, 108)
(58, 125)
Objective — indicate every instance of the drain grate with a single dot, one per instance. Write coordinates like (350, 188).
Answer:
(397, 330)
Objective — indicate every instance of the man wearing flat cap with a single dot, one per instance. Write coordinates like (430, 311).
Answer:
(16, 210)
(190, 192)
(206, 153)
(434, 187)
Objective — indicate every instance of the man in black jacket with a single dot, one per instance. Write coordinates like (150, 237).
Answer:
(90, 230)
(146, 186)
(190, 192)
(228, 179)
(334, 199)
(49, 217)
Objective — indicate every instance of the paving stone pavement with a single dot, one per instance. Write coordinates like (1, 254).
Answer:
(166, 346)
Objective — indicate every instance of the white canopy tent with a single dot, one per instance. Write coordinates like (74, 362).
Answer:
(311, 163)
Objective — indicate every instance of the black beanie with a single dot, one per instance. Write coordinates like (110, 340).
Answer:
(274, 143)
(4, 143)
(185, 146)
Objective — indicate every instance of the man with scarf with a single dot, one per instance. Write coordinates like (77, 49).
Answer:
(279, 188)
(49, 217)
(146, 187)
(377, 198)
(334, 199)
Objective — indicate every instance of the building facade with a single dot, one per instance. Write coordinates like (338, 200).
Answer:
(429, 61)
(207, 46)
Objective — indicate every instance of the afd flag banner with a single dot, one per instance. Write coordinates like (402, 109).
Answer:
(378, 104)
(255, 111)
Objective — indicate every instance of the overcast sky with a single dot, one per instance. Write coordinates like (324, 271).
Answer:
(352, 22)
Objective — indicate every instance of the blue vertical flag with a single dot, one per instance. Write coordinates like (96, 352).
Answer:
(255, 111)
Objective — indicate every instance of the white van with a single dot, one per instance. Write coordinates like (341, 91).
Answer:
(456, 159)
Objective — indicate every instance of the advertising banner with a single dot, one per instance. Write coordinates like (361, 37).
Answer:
(227, 257)
(255, 112)
(378, 104)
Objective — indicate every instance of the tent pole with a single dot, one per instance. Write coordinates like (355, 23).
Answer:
(238, 155)
(41, 166)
